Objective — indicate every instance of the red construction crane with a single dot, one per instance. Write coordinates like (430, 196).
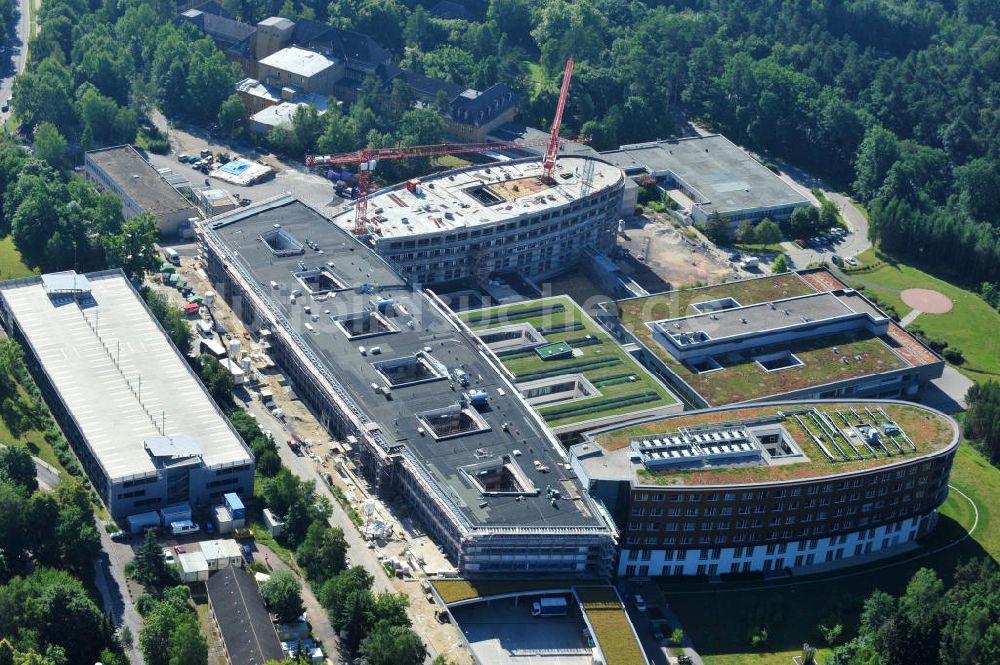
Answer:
(367, 158)
(549, 162)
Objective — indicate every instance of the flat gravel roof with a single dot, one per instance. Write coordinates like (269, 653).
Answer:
(368, 279)
(727, 178)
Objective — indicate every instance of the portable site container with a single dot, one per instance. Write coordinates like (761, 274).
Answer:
(213, 347)
(223, 520)
(137, 523)
(235, 506)
(179, 512)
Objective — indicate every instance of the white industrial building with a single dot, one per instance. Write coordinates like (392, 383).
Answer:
(481, 220)
(145, 430)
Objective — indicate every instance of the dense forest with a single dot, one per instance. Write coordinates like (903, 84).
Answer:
(6, 23)
(895, 101)
(48, 542)
(928, 625)
(982, 419)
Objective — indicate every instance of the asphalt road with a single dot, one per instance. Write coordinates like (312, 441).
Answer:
(109, 577)
(853, 244)
(13, 61)
(357, 548)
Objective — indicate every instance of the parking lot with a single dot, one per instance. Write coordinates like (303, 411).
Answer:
(309, 187)
(503, 632)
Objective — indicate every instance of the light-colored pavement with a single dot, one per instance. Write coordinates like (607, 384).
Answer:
(947, 393)
(109, 577)
(910, 318)
(16, 56)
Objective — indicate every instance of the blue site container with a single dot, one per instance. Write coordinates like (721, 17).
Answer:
(235, 506)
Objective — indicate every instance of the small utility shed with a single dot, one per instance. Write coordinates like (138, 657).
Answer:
(222, 553)
(193, 567)
(243, 620)
(273, 523)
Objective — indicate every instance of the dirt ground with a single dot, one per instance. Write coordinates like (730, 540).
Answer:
(661, 257)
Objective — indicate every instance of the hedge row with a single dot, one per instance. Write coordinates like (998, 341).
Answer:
(566, 327)
(602, 405)
(567, 369)
(515, 315)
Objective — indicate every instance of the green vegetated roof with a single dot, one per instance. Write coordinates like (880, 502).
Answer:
(624, 386)
(929, 432)
(611, 626)
(744, 379)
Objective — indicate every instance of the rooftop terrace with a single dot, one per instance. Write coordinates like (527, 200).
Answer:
(739, 376)
(476, 195)
(594, 379)
(493, 460)
(827, 438)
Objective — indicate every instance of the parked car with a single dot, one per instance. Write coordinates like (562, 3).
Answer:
(168, 555)
(835, 259)
(851, 261)
(119, 536)
(247, 553)
(640, 603)
(183, 159)
(801, 243)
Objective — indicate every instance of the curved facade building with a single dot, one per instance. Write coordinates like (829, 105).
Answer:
(787, 485)
(501, 217)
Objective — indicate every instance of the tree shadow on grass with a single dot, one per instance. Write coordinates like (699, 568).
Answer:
(722, 618)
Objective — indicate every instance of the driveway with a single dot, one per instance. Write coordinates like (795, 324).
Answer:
(946, 393)
(855, 242)
(653, 596)
(109, 577)
(318, 620)
(12, 63)
(357, 547)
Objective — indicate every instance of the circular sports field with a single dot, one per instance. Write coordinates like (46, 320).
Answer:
(927, 300)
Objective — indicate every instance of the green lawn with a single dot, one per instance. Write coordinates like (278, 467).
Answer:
(537, 77)
(33, 440)
(966, 327)
(791, 611)
(776, 248)
(11, 266)
(450, 161)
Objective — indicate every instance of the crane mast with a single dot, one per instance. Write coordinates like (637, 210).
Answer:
(366, 158)
(552, 150)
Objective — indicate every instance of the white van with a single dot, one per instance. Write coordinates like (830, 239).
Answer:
(171, 255)
(185, 526)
